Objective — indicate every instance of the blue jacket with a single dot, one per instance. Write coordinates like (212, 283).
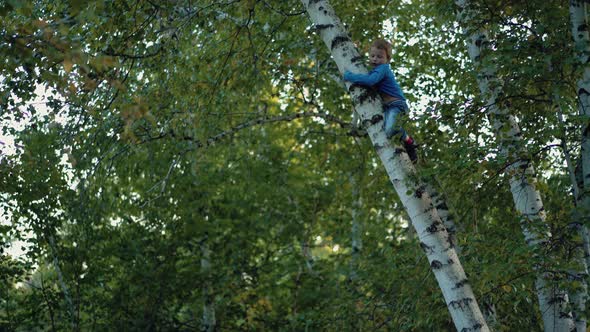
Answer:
(382, 78)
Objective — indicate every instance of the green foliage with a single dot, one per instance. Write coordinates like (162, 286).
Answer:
(137, 160)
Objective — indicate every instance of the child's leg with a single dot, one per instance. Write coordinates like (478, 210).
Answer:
(391, 115)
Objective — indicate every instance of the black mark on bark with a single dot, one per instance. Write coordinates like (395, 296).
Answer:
(557, 299)
(460, 304)
(461, 283)
(366, 95)
(376, 118)
(320, 27)
(450, 239)
(434, 227)
(475, 327)
(419, 192)
(356, 59)
(428, 249)
(339, 40)
(435, 265)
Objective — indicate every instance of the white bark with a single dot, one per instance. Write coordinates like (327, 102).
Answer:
(564, 146)
(578, 296)
(439, 202)
(443, 259)
(578, 13)
(522, 180)
(356, 231)
(308, 257)
(579, 19)
(209, 322)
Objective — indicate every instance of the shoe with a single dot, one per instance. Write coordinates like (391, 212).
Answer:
(411, 150)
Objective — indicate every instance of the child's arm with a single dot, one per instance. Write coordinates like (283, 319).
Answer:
(370, 79)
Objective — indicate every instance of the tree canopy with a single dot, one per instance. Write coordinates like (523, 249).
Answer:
(173, 156)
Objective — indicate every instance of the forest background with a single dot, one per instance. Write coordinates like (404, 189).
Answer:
(195, 165)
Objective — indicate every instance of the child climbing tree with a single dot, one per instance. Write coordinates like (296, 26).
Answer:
(433, 236)
(394, 103)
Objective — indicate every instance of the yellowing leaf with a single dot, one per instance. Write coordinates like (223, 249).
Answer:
(68, 64)
(109, 61)
(39, 23)
(506, 288)
(90, 84)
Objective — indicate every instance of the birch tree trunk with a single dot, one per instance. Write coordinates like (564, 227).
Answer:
(553, 303)
(308, 257)
(579, 19)
(564, 146)
(578, 296)
(434, 238)
(439, 202)
(209, 322)
(356, 177)
(356, 231)
(578, 13)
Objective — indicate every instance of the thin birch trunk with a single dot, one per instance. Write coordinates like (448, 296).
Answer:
(62, 282)
(578, 296)
(579, 19)
(564, 146)
(356, 230)
(308, 257)
(553, 303)
(209, 322)
(434, 238)
(578, 13)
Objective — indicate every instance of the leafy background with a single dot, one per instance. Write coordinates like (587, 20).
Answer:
(167, 129)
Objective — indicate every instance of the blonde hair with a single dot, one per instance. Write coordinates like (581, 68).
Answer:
(384, 45)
